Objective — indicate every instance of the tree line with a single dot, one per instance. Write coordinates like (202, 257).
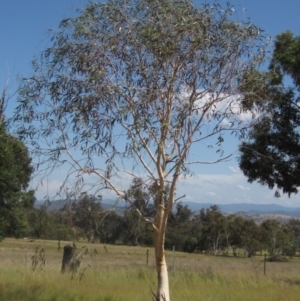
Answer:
(206, 231)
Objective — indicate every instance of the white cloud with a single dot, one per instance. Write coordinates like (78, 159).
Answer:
(242, 187)
(234, 169)
(230, 188)
(216, 188)
(210, 193)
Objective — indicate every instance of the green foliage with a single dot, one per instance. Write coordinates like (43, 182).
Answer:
(275, 237)
(286, 57)
(111, 228)
(207, 231)
(15, 167)
(212, 222)
(253, 86)
(87, 214)
(50, 225)
(233, 229)
(179, 233)
(271, 154)
(15, 173)
(38, 221)
(135, 230)
(292, 231)
(251, 238)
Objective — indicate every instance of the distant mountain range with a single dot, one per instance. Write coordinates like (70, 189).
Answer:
(227, 208)
(60, 204)
(248, 208)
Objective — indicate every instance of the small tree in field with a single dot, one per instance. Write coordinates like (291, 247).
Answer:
(88, 214)
(125, 91)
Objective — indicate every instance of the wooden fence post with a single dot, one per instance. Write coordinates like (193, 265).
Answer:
(67, 259)
(265, 263)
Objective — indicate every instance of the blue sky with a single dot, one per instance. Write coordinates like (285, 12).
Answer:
(23, 33)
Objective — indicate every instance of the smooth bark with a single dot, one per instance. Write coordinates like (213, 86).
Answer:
(161, 268)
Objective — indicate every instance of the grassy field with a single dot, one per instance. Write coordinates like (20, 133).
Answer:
(121, 274)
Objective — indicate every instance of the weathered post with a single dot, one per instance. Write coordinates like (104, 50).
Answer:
(67, 258)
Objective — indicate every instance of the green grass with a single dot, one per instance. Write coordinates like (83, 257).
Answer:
(122, 274)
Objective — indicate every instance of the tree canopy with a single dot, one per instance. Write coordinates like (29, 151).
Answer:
(271, 156)
(87, 214)
(15, 173)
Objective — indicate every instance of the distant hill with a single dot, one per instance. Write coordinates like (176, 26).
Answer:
(60, 204)
(248, 208)
(227, 208)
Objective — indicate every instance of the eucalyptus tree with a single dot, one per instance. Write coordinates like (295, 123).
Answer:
(133, 226)
(274, 236)
(292, 228)
(180, 228)
(212, 227)
(128, 87)
(111, 228)
(233, 232)
(251, 238)
(87, 214)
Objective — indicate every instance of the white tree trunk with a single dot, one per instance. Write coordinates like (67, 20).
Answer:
(163, 281)
(163, 293)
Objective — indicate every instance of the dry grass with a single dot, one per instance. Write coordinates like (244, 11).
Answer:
(121, 274)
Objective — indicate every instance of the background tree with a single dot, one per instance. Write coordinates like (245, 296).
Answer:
(15, 174)
(125, 91)
(274, 236)
(135, 231)
(38, 222)
(63, 227)
(251, 238)
(111, 228)
(271, 155)
(292, 228)
(45, 224)
(87, 214)
(212, 227)
(233, 232)
(229, 228)
(179, 233)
